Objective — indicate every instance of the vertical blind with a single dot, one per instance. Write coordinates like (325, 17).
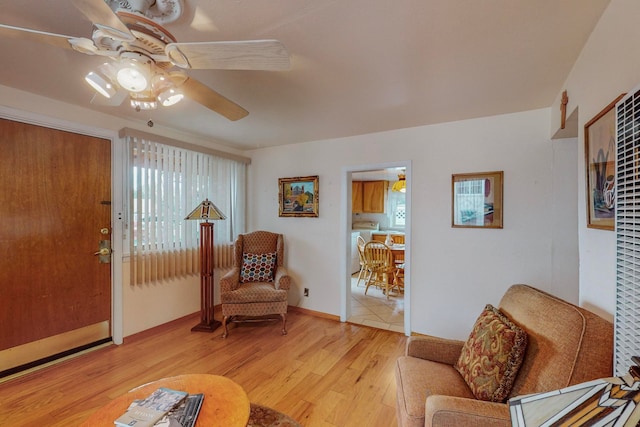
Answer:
(166, 184)
(627, 316)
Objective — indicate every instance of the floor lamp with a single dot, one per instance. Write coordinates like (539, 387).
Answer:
(206, 211)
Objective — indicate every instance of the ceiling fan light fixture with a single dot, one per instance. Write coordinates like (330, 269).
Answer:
(144, 101)
(100, 83)
(170, 96)
(132, 79)
(139, 104)
(134, 72)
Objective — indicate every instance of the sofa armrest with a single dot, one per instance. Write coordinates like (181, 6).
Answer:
(441, 411)
(437, 349)
(230, 281)
(282, 279)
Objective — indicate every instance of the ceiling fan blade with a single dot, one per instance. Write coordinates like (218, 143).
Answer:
(58, 40)
(267, 55)
(211, 99)
(99, 12)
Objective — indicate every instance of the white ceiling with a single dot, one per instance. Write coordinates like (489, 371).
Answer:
(358, 66)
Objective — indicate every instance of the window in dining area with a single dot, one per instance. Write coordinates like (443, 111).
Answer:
(397, 209)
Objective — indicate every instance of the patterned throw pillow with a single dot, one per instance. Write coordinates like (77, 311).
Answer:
(258, 267)
(492, 355)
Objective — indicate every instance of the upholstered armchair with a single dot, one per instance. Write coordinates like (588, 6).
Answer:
(447, 382)
(258, 284)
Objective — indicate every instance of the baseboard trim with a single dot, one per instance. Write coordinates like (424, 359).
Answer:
(217, 309)
(314, 313)
(153, 330)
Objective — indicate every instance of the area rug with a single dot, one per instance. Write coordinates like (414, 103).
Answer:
(262, 416)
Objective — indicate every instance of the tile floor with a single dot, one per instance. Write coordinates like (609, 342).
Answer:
(374, 309)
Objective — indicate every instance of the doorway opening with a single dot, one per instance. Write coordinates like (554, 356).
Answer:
(376, 211)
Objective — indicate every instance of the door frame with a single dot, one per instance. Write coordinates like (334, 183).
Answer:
(117, 200)
(345, 232)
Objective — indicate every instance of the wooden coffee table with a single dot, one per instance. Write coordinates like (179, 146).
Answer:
(225, 403)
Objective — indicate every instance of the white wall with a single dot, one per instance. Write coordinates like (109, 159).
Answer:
(608, 66)
(147, 306)
(455, 272)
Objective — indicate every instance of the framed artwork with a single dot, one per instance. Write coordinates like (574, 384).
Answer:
(600, 164)
(298, 196)
(477, 200)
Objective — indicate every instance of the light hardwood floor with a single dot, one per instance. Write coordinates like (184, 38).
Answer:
(323, 373)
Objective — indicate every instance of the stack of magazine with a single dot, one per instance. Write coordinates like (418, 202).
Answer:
(164, 407)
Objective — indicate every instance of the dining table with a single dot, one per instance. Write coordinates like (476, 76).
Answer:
(397, 250)
(397, 280)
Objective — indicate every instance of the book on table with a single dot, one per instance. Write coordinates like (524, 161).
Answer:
(185, 414)
(148, 411)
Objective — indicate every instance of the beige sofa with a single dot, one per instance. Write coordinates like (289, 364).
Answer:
(566, 345)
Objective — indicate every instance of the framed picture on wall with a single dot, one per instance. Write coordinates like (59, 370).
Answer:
(298, 196)
(477, 200)
(600, 164)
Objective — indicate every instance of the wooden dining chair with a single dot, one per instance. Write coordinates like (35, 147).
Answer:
(398, 278)
(379, 260)
(398, 274)
(364, 273)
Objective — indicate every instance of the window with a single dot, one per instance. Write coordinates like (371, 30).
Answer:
(166, 183)
(397, 209)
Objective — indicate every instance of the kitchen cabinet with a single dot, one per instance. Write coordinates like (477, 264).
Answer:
(356, 196)
(368, 196)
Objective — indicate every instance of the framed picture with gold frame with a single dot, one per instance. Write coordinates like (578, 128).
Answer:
(477, 200)
(298, 196)
(600, 165)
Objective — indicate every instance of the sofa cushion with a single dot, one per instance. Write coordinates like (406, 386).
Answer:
(492, 355)
(258, 267)
(417, 379)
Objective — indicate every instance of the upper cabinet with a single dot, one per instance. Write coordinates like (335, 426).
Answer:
(368, 196)
(356, 196)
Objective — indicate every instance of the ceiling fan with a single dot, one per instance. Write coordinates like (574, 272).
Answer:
(147, 63)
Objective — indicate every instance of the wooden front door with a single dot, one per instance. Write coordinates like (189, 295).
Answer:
(55, 208)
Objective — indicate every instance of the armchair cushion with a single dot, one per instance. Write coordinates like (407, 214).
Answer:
(254, 292)
(458, 411)
(258, 267)
(417, 379)
(491, 357)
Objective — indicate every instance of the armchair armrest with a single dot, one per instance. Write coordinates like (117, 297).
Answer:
(282, 279)
(230, 281)
(437, 349)
(441, 411)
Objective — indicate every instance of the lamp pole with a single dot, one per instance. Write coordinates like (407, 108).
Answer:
(206, 211)
(207, 322)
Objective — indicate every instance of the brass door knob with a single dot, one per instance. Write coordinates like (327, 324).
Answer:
(103, 251)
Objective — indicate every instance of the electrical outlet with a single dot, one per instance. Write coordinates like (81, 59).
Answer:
(306, 292)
